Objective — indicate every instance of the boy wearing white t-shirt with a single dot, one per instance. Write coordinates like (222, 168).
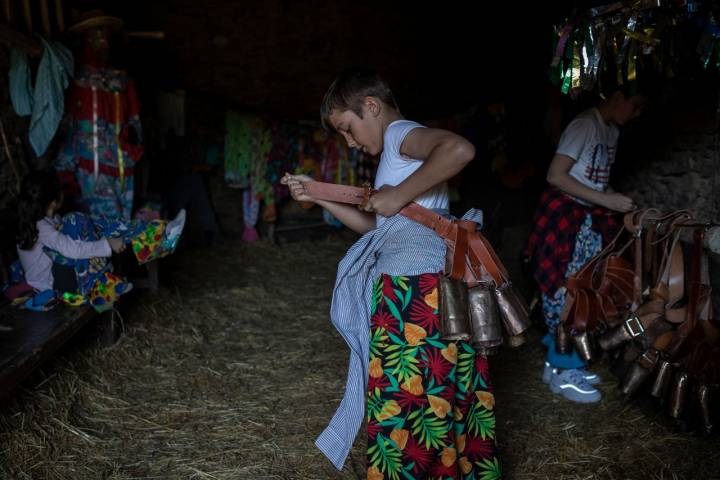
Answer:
(573, 221)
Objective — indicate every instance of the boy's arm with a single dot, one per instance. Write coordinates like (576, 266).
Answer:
(443, 153)
(356, 220)
(558, 176)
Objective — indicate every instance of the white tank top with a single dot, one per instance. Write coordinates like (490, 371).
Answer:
(395, 167)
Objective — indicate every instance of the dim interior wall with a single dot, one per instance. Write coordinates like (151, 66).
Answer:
(279, 57)
(671, 160)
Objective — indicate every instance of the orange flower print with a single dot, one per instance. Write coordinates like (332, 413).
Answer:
(440, 406)
(413, 385)
(450, 353)
(376, 370)
(449, 455)
(400, 437)
(414, 334)
(374, 474)
(432, 299)
(390, 409)
(487, 399)
(465, 465)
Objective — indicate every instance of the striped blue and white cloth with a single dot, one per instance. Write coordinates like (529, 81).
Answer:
(399, 246)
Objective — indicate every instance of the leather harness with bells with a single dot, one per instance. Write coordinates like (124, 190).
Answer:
(471, 260)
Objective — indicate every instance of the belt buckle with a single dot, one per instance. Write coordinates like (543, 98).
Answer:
(639, 327)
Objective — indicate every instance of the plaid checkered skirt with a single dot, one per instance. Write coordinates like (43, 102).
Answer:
(557, 221)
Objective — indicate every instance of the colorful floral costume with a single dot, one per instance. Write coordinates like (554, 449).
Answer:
(95, 281)
(103, 141)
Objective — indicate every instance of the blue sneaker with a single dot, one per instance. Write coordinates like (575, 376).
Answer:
(571, 385)
(590, 377)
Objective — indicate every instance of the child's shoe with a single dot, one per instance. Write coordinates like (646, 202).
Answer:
(590, 377)
(571, 385)
(173, 230)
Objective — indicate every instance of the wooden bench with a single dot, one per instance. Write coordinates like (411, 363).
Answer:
(28, 338)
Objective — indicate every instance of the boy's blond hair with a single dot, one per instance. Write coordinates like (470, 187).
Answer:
(349, 89)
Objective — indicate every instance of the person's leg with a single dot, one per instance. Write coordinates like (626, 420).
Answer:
(430, 405)
(567, 373)
(158, 239)
(149, 240)
(81, 227)
(117, 227)
(552, 307)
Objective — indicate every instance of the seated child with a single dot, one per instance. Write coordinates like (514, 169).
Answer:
(70, 254)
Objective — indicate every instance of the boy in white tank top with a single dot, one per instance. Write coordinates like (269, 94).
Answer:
(407, 259)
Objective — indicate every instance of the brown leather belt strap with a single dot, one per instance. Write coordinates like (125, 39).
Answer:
(458, 233)
(335, 193)
(634, 224)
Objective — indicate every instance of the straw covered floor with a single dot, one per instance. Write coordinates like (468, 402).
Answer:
(232, 368)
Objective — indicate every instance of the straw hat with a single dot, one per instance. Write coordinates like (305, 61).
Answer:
(95, 19)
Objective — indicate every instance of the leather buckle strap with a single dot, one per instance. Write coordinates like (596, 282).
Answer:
(639, 328)
(649, 358)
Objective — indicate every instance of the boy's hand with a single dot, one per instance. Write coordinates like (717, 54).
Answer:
(116, 244)
(297, 188)
(619, 202)
(384, 202)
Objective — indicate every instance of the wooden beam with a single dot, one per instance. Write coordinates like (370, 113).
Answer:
(60, 16)
(7, 11)
(9, 156)
(45, 17)
(158, 35)
(27, 13)
(20, 41)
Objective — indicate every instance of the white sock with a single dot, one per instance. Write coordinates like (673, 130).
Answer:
(175, 226)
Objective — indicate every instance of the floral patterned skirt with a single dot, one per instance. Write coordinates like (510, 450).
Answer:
(430, 404)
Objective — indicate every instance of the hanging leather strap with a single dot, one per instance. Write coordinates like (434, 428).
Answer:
(669, 343)
(634, 224)
(694, 301)
(657, 228)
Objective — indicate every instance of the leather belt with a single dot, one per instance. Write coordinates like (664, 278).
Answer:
(461, 235)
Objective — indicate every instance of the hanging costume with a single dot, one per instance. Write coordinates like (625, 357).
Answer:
(103, 140)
